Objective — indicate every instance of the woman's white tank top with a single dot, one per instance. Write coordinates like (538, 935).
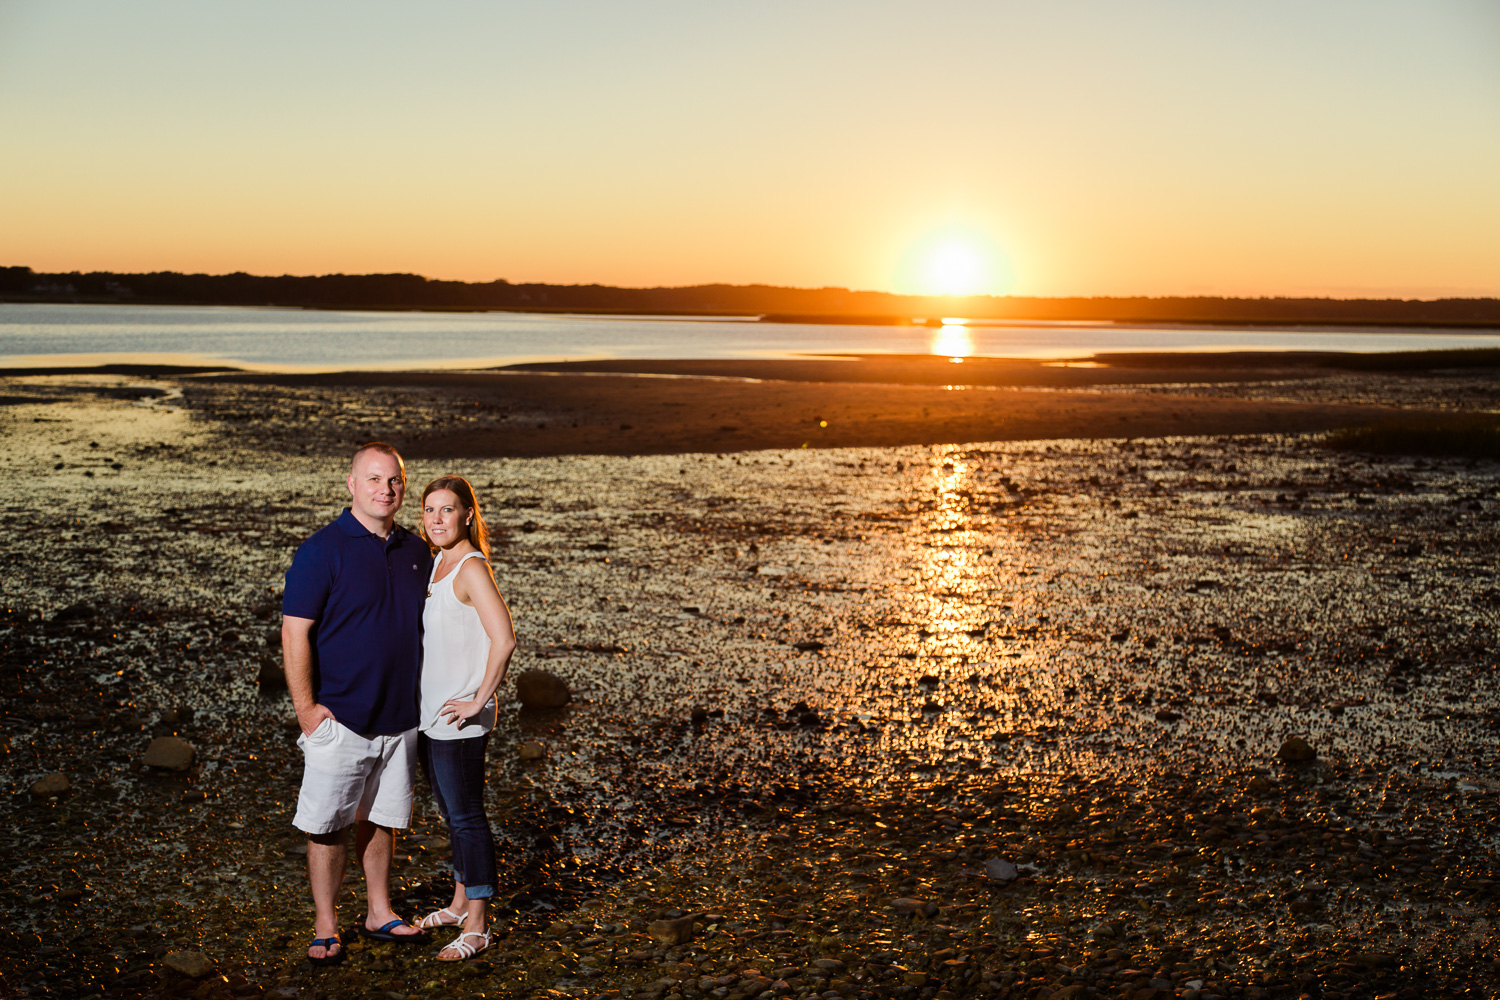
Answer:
(455, 648)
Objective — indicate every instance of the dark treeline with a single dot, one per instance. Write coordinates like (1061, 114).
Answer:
(411, 291)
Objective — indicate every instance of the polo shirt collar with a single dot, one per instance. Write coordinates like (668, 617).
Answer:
(349, 525)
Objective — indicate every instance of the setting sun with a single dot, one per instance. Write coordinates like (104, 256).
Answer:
(956, 268)
(957, 260)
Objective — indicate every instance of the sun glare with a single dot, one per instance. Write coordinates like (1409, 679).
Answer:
(956, 268)
(958, 260)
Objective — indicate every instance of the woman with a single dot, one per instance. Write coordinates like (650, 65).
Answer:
(466, 645)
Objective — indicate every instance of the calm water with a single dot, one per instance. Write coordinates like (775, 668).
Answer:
(32, 334)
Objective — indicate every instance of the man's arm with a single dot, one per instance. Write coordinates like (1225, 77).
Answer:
(296, 653)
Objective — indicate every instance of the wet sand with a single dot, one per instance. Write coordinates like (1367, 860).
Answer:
(818, 691)
(672, 407)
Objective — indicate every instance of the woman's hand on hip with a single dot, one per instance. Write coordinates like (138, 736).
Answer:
(459, 712)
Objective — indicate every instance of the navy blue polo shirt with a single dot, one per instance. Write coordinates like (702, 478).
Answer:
(365, 594)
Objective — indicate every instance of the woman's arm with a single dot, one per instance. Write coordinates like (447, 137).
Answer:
(475, 587)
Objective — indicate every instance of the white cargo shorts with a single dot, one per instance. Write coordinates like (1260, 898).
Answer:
(347, 776)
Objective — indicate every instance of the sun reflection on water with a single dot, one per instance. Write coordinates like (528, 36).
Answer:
(952, 339)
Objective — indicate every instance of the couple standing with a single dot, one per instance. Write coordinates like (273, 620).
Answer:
(394, 648)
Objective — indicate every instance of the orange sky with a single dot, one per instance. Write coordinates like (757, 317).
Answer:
(1091, 147)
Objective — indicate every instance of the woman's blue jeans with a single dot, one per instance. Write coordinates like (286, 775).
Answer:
(455, 769)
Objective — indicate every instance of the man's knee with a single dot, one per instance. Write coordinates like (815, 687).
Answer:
(334, 838)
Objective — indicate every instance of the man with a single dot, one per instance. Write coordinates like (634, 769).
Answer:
(351, 636)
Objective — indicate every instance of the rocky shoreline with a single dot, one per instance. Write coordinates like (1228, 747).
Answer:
(1005, 719)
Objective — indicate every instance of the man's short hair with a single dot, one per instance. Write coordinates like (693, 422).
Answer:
(384, 449)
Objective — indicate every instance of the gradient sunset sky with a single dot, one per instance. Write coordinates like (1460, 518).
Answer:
(1077, 147)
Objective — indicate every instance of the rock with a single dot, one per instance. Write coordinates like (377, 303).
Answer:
(917, 979)
(1000, 870)
(271, 677)
(1167, 715)
(1260, 785)
(1066, 813)
(531, 750)
(76, 613)
(1296, 750)
(699, 716)
(169, 753)
(1076, 991)
(914, 906)
(51, 786)
(542, 689)
(193, 964)
(809, 646)
(671, 932)
(832, 966)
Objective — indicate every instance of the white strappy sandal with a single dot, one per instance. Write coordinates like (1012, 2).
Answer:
(464, 948)
(440, 918)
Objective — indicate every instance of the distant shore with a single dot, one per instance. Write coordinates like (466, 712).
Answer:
(413, 291)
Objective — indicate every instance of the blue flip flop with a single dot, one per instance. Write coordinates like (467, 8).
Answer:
(326, 944)
(383, 933)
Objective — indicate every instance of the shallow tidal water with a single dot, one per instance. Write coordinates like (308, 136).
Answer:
(811, 688)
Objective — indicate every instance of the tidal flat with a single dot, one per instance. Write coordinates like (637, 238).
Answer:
(1010, 719)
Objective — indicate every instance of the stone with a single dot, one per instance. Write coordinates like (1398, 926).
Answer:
(1000, 870)
(914, 906)
(51, 786)
(832, 966)
(169, 753)
(1296, 750)
(542, 689)
(271, 677)
(671, 932)
(193, 964)
(1077, 991)
(76, 613)
(531, 750)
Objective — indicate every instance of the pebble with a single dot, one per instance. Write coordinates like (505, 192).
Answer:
(914, 906)
(531, 750)
(169, 753)
(193, 964)
(50, 786)
(542, 689)
(1000, 870)
(671, 932)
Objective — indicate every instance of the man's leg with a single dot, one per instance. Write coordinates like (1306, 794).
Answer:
(374, 844)
(327, 854)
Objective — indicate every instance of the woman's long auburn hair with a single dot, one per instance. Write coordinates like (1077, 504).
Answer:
(479, 532)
